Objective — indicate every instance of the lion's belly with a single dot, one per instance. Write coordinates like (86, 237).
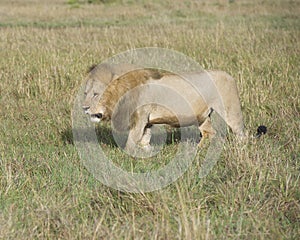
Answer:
(161, 115)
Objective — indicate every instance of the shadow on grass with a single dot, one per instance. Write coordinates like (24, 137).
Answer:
(105, 136)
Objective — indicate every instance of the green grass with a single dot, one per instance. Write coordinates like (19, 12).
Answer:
(46, 192)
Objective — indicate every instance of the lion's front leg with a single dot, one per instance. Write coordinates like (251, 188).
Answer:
(137, 134)
(207, 131)
(145, 141)
(134, 137)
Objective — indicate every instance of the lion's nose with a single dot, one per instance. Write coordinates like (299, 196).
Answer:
(85, 108)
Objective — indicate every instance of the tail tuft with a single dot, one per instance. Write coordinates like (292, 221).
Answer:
(261, 130)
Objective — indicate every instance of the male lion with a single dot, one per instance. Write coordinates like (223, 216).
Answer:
(218, 92)
(99, 76)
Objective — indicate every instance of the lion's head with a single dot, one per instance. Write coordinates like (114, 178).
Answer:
(99, 76)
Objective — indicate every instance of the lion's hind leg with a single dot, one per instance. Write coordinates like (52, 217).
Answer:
(207, 131)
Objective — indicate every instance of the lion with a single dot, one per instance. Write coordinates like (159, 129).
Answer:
(98, 77)
(218, 92)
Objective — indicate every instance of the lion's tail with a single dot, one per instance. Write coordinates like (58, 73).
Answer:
(261, 130)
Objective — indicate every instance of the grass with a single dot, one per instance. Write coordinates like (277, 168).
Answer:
(46, 192)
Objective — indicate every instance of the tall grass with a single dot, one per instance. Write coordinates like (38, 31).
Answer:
(45, 191)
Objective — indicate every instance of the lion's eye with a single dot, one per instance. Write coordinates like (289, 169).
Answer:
(85, 93)
(96, 95)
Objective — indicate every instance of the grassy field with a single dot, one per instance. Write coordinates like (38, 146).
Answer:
(253, 192)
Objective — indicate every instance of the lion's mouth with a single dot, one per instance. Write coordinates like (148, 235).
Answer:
(96, 117)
